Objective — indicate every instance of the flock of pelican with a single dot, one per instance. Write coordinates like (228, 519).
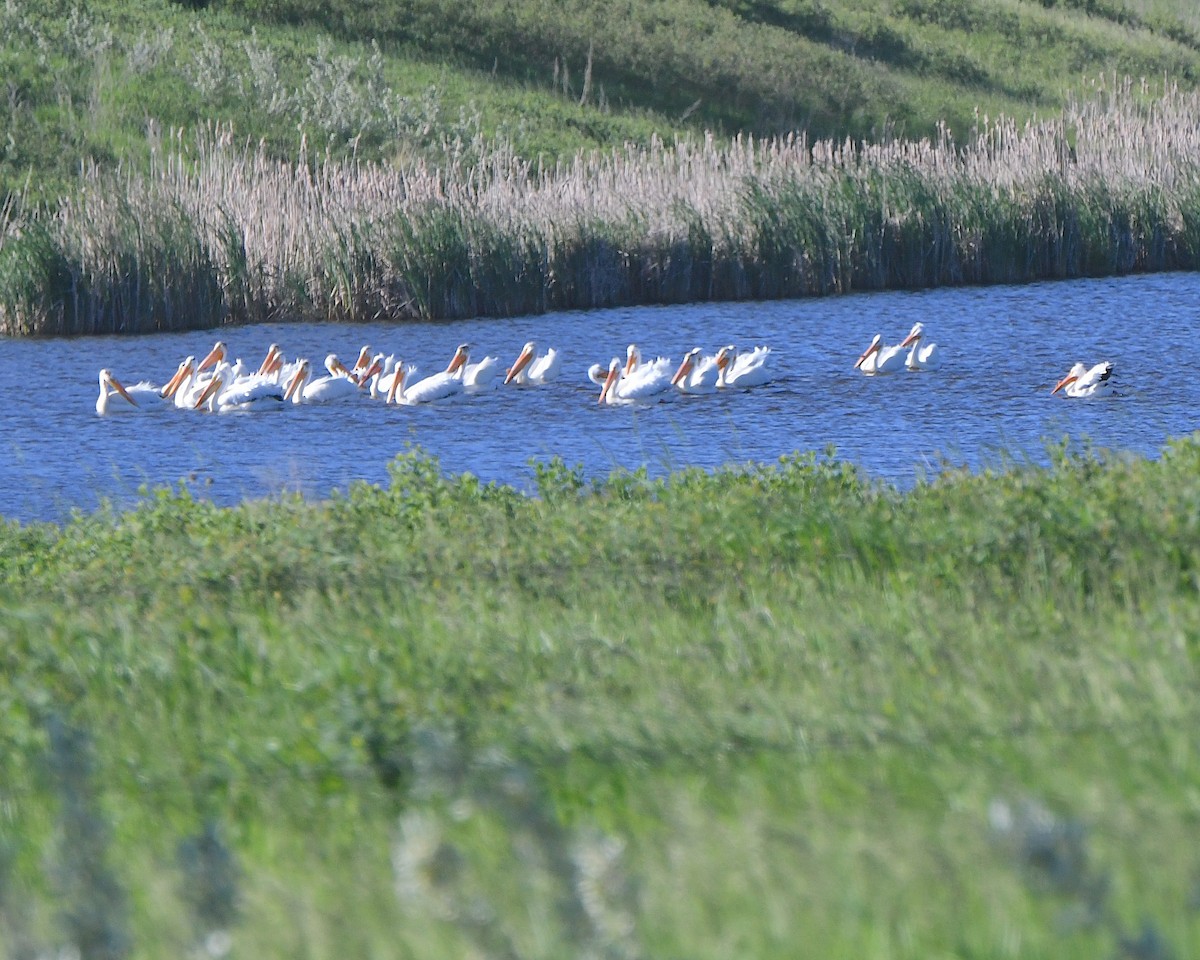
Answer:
(215, 384)
(878, 358)
(1080, 381)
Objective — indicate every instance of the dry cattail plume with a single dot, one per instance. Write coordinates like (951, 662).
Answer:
(217, 232)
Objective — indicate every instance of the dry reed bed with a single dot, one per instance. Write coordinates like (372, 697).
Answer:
(219, 232)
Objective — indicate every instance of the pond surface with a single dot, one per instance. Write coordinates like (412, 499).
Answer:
(1002, 350)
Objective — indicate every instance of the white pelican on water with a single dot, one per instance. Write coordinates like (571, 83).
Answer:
(359, 371)
(439, 386)
(213, 357)
(647, 382)
(880, 359)
(183, 388)
(272, 362)
(227, 390)
(138, 397)
(742, 369)
(476, 377)
(921, 356)
(1082, 381)
(697, 374)
(338, 383)
(529, 369)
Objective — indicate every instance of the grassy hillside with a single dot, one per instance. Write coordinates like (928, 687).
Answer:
(395, 78)
(704, 716)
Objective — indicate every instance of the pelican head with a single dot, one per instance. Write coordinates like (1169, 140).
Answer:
(870, 350)
(271, 361)
(295, 386)
(614, 372)
(1073, 374)
(373, 369)
(689, 361)
(211, 390)
(915, 334)
(459, 360)
(335, 366)
(185, 368)
(633, 356)
(523, 359)
(397, 387)
(107, 380)
(214, 356)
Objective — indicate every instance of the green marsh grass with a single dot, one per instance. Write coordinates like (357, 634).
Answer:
(1109, 187)
(690, 716)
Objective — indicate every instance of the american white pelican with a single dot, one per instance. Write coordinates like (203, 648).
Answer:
(380, 384)
(696, 374)
(742, 369)
(337, 384)
(439, 386)
(358, 371)
(227, 390)
(138, 397)
(529, 369)
(294, 388)
(181, 375)
(183, 388)
(633, 358)
(476, 377)
(647, 382)
(369, 378)
(1082, 381)
(880, 359)
(921, 356)
(213, 357)
(272, 362)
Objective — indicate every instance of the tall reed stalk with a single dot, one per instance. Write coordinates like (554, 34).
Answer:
(217, 232)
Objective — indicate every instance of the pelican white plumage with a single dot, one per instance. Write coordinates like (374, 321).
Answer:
(380, 385)
(137, 398)
(742, 369)
(182, 373)
(634, 358)
(697, 374)
(439, 386)
(476, 377)
(1083, 381)
(648, 381)
(921, 355)
(597, 373)
(530, 369)
(228, 390)
(337, 384)
(183, 388)
(880, 359)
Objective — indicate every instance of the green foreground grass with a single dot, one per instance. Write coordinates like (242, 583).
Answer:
(765, 712)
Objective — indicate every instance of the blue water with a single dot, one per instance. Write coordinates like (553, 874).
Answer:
(1003, 349)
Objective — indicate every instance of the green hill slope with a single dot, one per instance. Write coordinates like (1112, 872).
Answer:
(387, 79)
